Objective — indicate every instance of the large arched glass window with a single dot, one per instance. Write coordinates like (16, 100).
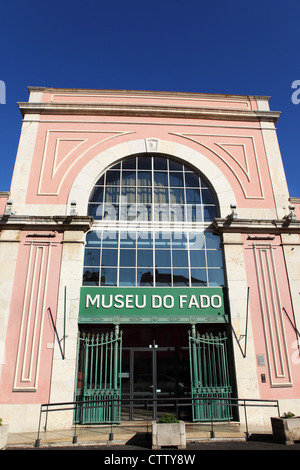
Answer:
(168, 240)
(152, 188)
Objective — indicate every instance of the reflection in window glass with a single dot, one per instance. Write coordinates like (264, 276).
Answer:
(145, 258)
(109, 257)
(159, 191)
(169, 182)
(92, 257)
(163, 277)
(198, 258)
(191, 180)
(108, 277)
(181, 277)
(90, 277)
(145, 277)
(199, 277)
(216, 277)
(162, 258)
(127, 257)
(179, 258)
(127, 277)
(149, 259)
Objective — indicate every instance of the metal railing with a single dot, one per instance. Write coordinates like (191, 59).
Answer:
(154, 404)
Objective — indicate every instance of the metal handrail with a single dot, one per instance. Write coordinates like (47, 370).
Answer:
(177, 401)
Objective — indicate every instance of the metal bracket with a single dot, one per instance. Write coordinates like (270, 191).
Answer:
(246, 329)
(56, 334)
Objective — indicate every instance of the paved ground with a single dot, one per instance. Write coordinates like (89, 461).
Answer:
(142, 450)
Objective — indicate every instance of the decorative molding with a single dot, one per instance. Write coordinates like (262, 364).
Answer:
(60, 168)
(32, 318)
(239, 170)
(59, 222)
(257, 226)
(111, 109)
(272, 317)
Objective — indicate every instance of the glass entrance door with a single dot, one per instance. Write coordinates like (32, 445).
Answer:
(152, 378)
(143, 387)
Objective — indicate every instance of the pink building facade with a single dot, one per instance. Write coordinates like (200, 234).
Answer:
(190, 165)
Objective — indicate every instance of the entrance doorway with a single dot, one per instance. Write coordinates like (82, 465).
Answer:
(143, 371)
(152, 378)
(155, 369)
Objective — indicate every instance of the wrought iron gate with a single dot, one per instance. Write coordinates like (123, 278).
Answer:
(210, 377)
(99, 378)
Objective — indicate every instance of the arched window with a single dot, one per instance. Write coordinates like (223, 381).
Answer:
(167, 242)
(152, 188)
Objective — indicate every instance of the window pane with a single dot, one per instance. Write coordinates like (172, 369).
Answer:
(191, 180)
(160, 163)
(160, 178)
(176, 179)
(113, 178)
(197, 258)
(198, 277)
(179, 240)
(112, 194)
(144, 178)
(161, 196)
(196, 241)
(145, 258)
(162, 239)
(97, 194)
(90, 277)
(110, 211)
(212, 240)
(129, 163)
(128, 178)
(163, 277)
(109, 238)
(109, 257)
(176, 196)
(175, 165)
(128, 195)
(162, 258)
(144, 163)
(193, 196)
(177, 213)
(180, 258)
(127, 257)
(100, 181)
(127, 239)
(208, 197)
(161, 212)
(108, 277)
(95, 210)
(93, 238)
(214, 258)
(144, 195)
(180, 277)
(144, 277)
(144, 239)
(92, 257)
(210, 213)
(216, 277)
(127, 277)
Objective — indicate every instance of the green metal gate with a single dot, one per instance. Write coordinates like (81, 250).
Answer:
(210, 383)
(99, 378)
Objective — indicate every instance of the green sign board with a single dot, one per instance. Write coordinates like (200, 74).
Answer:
(151, 305)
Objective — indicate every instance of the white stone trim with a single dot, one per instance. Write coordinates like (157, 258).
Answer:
(88, 176)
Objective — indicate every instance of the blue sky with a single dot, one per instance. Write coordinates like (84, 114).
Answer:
(217, 46)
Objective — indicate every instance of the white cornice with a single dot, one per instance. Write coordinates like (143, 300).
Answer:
(144, 92)
(146, 110)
